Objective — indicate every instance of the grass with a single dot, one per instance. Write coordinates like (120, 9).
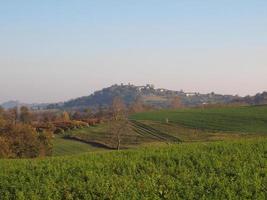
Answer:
(251, 119)
(63, 146)
(217, 170)
(100, 136)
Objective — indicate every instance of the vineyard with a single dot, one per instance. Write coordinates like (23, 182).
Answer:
(215, 170)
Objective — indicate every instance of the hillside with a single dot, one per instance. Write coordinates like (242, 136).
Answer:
(62, 146)
(160, 98)
(246, 119)
(220, 170)
(184, 125)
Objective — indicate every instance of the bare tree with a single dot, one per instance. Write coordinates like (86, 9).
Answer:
(119, 124)
(118, 108)
(117, 129)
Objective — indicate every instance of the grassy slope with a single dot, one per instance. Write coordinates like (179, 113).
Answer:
(69, 147)
(99, 134)
(233, 119)
(218, 170)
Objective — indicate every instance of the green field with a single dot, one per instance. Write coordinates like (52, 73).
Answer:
(63, 146)
(215, 170)
(251, 119)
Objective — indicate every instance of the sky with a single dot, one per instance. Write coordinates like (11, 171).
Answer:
(53, 51)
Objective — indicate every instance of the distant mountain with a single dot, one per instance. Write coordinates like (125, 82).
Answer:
(160, 98)
(10, 104)
(13, 104)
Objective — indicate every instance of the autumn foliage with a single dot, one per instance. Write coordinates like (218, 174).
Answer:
(19, 139)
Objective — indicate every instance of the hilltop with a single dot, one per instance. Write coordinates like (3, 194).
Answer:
(151, 96)
(156, 97)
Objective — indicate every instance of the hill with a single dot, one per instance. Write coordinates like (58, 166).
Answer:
(219, 170)
(159, 98)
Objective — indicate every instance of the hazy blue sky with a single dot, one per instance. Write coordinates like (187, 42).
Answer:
(54, 50)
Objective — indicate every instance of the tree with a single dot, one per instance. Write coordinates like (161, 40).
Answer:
(117, 129)
(12, 115)
(118, 108)
(48, 116)
(119, 124)
(25, 115)
(2, 120)
(77, 115)
(45, 142)
(87, 112)
(65, 116)
(23, 140)
(176, 102)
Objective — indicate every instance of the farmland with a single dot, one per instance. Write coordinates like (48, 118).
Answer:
(215, 170)
(217, 153)
(184, 125)
(250, 119)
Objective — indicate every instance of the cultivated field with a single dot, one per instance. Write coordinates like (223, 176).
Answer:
(209, 170)
(250, 119)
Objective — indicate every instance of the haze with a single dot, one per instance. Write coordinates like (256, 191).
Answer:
(56, 50)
